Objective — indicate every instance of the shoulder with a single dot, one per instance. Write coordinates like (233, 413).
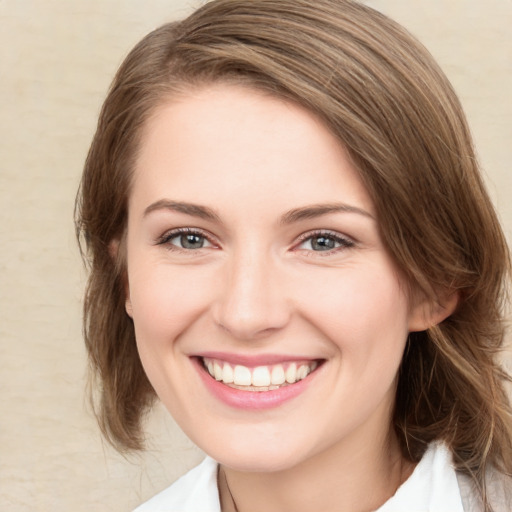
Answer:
(196, 491)
(499, 491)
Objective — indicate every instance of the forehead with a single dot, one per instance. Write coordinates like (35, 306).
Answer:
(227, 141)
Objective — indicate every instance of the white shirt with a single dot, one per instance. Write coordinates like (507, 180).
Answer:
(432, 487)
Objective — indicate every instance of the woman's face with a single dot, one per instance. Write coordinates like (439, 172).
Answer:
(254, 255)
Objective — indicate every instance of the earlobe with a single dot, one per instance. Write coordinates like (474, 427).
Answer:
(128, 307)
(113, 249)
(427, 313)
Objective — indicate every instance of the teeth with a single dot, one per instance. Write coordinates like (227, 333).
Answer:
(291, 374)
(227, 374)
(261, 376)
(278, 376)
(302, 372)
(242, 376)
(268, 377)
(217, 371)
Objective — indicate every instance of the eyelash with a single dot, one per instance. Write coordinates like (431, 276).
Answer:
(166, 238)
(344, 242)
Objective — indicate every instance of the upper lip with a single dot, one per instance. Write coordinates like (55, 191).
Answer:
(254, 360)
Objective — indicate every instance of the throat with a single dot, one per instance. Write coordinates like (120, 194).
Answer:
(330, 490)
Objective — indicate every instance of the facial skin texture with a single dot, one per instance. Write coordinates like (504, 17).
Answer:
(257, 287)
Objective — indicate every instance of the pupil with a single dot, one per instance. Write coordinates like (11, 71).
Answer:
(191, 241)
(322, 243)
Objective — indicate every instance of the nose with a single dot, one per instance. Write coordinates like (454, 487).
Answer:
(252, 301)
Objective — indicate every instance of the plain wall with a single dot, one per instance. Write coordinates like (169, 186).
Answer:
(56, 61)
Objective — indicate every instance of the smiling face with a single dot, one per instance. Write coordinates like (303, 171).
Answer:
(269, 317)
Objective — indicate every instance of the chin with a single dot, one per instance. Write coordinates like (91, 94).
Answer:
(256, 463)
(257, 457)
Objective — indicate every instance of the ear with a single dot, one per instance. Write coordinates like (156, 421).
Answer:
(128, 307)
(427, 313)
(113, 249)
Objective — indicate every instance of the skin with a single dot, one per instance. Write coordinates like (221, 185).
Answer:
(260, 285)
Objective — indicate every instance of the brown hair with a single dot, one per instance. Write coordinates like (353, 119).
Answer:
(389, 104)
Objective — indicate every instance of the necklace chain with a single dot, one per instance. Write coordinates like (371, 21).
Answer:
(401, 478)
(229, 490)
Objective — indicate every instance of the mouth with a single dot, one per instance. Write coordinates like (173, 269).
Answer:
(254, 383)
(262, 378)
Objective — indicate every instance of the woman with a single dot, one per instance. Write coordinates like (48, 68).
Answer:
(291, 246)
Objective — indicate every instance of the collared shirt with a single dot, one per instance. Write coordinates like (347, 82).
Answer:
(432, 487)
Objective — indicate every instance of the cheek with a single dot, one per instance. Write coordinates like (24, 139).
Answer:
(364, 312)
(369, 291)
(165, 301)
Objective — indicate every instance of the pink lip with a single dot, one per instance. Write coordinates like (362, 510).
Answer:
(251, 400)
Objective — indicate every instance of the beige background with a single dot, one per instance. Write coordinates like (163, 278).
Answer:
(57, 58)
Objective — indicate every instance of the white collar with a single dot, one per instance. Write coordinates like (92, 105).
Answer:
(196, 491)
(432, 487)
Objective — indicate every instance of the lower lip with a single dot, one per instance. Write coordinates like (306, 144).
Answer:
(252, 400)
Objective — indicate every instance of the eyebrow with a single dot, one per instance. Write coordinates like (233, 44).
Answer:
(317, 210)
(294, 215)
(194, 210)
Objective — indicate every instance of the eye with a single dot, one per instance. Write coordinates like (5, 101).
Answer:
(186, 239)
(324, 242)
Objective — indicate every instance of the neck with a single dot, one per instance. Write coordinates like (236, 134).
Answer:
(344, 477)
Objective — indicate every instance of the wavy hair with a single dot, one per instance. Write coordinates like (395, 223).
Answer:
(386, 100)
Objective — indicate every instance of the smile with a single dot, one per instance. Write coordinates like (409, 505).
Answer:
(257, 382)
(259, 378)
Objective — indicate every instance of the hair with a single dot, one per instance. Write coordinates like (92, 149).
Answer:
(386, 100)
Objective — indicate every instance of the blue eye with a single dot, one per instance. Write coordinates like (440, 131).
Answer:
(323, 242)
(185, 239)
(190, 241)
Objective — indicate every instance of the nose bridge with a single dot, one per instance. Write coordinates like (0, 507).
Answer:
(251, 303)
